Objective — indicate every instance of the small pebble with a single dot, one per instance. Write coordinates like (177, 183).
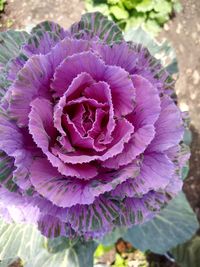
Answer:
(189, 71)
(194, 35)
(183, 106)
(196, 77)
(181, 47)
(166, 27)
(179, 27)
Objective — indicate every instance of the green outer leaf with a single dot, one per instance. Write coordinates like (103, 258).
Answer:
(85, 252)
(79, 254)
(162, 51)
(4, 83)
(6, 172)
(98, 25)
(10, 44)
(188, 254)
(174, 225)
(57, 244)
(61, 259)
(19, 240)
(26, 242)
(112, 237)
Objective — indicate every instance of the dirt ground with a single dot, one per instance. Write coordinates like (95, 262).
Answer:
(184, 33)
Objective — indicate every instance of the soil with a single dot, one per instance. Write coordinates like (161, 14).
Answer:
(23, 14)
(183, 31)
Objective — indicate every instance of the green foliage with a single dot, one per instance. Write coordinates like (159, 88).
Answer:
(10, 44)
(188, 254)
(101, 250)
(113, 236)
(150, 14)
(26, 242)
(172, 226)
(2, 3)
(137, 258)
(119, 261)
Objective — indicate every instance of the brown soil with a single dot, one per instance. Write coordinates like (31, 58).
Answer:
(184, 33)
(23, 14)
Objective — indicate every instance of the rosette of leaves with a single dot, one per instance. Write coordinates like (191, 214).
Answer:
(151, 14)
(175, 224)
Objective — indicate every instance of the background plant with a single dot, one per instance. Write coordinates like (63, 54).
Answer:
(2, 3)
(151, 14)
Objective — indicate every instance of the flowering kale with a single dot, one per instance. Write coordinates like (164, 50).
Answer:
(89, 132)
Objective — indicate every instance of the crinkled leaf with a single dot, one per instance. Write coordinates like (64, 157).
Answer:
(98, 25)
(119, 13)
(10, 44)
(145, 5)
(159, 17)
(162, 6)
(130, 4)
(152, 26)
(188, 254)
(6, 171)
(4, 83)
(174, 225)
(48, 26)
(135, 21)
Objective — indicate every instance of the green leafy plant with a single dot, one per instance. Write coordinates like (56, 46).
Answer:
(2, 3)
(151, 14)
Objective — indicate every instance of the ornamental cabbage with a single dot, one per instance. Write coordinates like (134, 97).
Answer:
(90, 132)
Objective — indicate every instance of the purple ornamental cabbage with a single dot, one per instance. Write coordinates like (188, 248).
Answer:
(90, 135)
